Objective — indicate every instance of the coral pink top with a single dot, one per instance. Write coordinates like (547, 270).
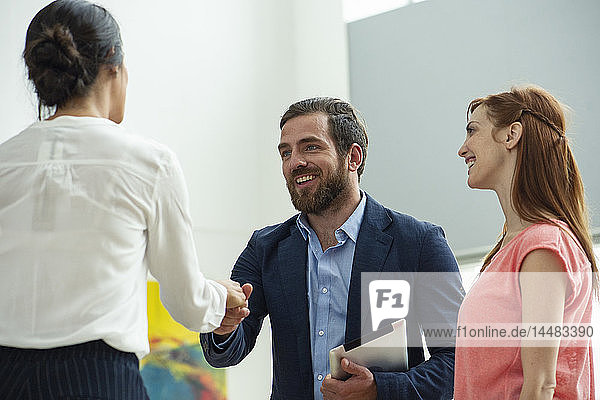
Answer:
(494, 372)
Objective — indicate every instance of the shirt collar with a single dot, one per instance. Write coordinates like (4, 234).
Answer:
(351, 227)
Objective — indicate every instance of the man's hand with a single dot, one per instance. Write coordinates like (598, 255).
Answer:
(234, 316)
(360, 386)
(235, 295)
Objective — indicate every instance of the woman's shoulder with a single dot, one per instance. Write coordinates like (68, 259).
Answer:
(542, 235)
(553, 234)
(109, 142)
(123, 143)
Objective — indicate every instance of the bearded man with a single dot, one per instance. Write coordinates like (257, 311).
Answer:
(305, 273)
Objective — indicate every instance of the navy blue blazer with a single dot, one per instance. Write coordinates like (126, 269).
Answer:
(275, 262)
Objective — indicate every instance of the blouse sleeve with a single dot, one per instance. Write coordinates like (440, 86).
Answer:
(191, 299)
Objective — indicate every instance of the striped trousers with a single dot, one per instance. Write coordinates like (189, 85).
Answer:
(91, 371)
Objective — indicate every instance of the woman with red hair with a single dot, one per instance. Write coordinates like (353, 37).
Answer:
(541, 276)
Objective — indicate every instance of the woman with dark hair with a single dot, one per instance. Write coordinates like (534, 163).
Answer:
(86, 210)
(542, 275)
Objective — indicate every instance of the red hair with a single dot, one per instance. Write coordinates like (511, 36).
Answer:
(546, 184)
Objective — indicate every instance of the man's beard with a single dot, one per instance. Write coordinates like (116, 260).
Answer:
(329, 190)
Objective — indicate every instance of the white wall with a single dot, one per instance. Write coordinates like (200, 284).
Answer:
(211, 79)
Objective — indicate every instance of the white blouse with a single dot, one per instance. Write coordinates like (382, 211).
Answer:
(86, 209)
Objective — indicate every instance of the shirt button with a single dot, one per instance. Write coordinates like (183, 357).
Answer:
(320, 377)
(321, 333)
(324, 290)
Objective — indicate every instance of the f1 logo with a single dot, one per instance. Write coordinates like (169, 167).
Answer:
(389, 299)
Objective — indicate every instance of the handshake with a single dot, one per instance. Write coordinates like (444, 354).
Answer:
(236, 306)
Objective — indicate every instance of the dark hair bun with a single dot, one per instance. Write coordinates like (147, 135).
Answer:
(66, 44)
(56, 67)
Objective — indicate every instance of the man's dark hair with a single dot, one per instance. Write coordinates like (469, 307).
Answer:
(345, 124)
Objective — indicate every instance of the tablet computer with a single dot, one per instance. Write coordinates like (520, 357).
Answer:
(384, 349)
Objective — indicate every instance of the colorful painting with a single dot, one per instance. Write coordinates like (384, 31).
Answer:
(175, 367)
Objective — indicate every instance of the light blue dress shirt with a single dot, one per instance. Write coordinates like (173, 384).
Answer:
(328, 278)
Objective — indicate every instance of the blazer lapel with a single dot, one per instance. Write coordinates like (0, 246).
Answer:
(292, 257)
(372, 247)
